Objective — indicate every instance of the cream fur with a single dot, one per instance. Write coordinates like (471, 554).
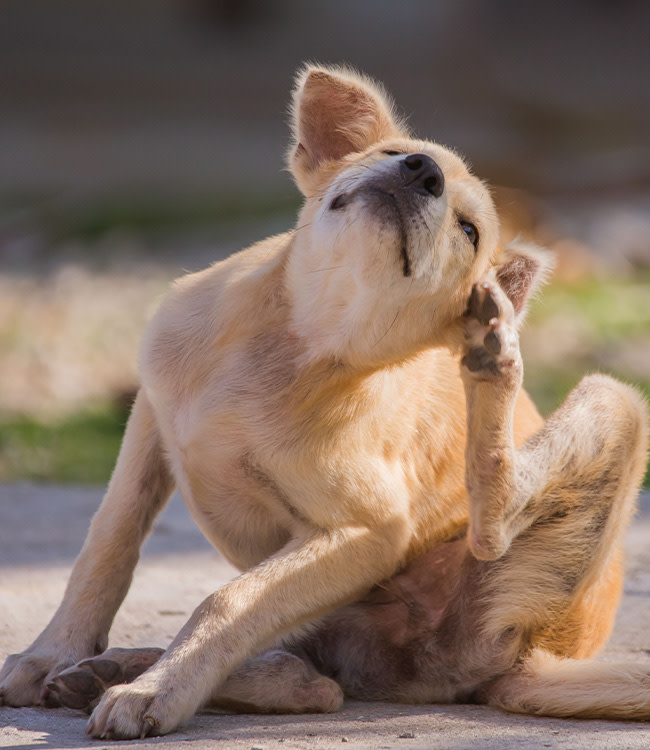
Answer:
(305, 396)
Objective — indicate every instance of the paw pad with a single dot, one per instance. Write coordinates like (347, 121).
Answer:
(491, 341)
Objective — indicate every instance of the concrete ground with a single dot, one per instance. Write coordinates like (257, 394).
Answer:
(41, 531)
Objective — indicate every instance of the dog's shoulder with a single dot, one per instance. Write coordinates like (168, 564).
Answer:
(231, 301)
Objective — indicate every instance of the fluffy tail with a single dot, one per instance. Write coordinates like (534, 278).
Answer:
(550, 686)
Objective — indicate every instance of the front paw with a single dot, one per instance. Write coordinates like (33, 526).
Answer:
(491, 342)
(24, 677)
(140, 709)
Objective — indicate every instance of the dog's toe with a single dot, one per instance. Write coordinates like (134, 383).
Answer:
(83, 684)
(491, 340)
(135, 711)
(76, 687)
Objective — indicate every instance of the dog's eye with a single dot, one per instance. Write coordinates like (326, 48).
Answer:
(339, 202)
(471, 231)
(391, 153)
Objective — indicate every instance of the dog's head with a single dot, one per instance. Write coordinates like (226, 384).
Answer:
(393, 233)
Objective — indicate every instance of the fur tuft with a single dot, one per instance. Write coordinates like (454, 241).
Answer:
(522, 270)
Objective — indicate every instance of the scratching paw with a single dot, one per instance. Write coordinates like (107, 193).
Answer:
(491, 340)
(82, 685)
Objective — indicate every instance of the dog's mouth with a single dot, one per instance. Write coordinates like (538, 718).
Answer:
(403, 235)
(390, 203)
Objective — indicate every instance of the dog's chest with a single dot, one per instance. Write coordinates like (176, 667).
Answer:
(263, 454)
(253, 475)
(236, 504)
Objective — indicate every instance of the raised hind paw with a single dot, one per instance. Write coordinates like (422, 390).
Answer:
(82, 685)
(491, 340)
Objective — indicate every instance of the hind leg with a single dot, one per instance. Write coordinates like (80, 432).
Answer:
(575, 481)
(273, 682)
(550, 518)
(556, 588)
(561, 579)
(509, 489)
(278, 682)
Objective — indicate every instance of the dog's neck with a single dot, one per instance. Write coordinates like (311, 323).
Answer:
(338, 318)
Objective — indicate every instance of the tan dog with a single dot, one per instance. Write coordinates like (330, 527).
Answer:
(307, 399)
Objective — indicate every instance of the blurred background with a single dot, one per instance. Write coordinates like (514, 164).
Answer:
(140, 139)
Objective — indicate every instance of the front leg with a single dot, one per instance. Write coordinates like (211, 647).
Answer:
(311, 576)
(492, 373)
(102, 573)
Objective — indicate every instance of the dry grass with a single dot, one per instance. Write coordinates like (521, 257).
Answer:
(71, 339)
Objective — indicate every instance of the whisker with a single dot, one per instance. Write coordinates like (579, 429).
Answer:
(387, 331)
(329, 268)
(306, 225)
(397, 593)
(347, 226)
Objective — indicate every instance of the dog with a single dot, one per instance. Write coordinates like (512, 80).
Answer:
(341, 408)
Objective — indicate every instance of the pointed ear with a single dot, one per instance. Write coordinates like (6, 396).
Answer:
(521, 269)
(335, 112)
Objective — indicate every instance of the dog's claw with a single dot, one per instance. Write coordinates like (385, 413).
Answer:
(90, 727)
(149, 724)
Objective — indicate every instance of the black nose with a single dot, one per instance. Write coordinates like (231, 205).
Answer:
(423, 174)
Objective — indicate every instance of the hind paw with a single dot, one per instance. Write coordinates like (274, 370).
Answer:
(491, 340)
(82, 685)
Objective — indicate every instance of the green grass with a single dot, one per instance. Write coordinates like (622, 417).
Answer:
(613, 308)
(612, 318)
(79, 449)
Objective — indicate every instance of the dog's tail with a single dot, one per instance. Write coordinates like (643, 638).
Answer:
(550, 686)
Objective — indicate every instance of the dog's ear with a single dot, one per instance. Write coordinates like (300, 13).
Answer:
(335, 112)
(521, 269)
